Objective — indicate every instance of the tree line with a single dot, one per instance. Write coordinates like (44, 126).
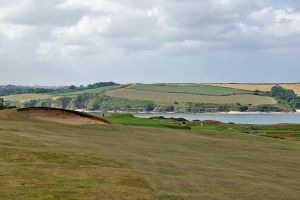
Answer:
(13, 89)
(285, 96)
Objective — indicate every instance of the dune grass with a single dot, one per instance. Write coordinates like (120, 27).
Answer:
(46, 160)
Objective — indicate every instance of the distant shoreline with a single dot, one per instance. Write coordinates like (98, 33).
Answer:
(207, 113)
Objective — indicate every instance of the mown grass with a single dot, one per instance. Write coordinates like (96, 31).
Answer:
(190, 89)
(128, 119)
(32, 168)
(280, 131)
(45, 160)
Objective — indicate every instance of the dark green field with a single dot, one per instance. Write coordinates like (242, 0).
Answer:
(189, 88)
(166, 160)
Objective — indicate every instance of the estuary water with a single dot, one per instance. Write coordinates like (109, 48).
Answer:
(261, 118)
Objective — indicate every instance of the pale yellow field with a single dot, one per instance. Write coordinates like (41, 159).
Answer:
(295, 87)
(27, 97)
(182, 97)
(260, 87)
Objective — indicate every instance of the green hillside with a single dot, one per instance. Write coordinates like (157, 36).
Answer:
(189, 89)
(154, 97)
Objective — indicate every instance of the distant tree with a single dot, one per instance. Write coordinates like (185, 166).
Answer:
(150, 107)
(256, 92)
(95, 106)
(244, 108)
(223, 108)
(286, 96)
(170, 109)
(72, 87)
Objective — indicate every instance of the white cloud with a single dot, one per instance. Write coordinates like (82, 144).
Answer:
(94, 5)
(278, 23)
(12, 8)
(87, 26)
(14, 31)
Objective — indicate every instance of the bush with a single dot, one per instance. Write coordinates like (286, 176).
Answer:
(150, 107)
(243, 108)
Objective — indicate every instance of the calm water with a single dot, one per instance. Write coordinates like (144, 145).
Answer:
(235, 118)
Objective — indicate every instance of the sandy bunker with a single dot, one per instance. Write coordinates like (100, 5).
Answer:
(62, 116)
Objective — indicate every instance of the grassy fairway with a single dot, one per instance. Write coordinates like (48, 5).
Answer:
(184, 97)
(48, 160)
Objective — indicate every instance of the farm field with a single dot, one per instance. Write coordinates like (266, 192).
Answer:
(188, 88)
(184, 97)
(261, 87)
(62, 161)
(88, 91)
(27, 97)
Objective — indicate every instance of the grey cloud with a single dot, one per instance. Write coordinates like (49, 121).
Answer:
(144, 36)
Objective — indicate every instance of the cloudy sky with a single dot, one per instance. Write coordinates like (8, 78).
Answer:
(61, 42)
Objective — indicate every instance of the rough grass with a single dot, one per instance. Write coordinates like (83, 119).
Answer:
(38, 168)
(190, 89)
(182, 97)
(261, 87)
(53, 161)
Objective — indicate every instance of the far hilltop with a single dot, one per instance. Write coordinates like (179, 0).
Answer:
(159, 97)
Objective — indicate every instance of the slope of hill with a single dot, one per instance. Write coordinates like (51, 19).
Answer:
(41, 159)
(261, 87)
(188, 88)
(154, 97)
(61, 116)
(171, 97)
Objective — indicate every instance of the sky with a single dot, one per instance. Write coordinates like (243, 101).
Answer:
(63, 42)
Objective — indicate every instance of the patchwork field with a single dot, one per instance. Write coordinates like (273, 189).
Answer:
(42, 159)
(188, 88)
(261, 87)
(185, 97)
(88, 91)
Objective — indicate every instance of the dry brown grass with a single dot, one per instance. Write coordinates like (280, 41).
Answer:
(295, 87)
(260, 87)
(60, 116)
(182, 97)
